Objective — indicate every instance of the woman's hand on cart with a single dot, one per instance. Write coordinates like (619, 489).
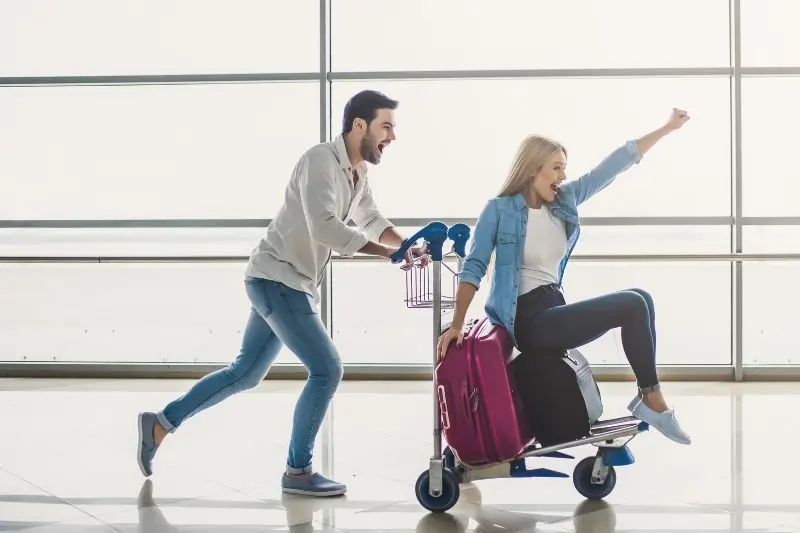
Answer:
(446, 338)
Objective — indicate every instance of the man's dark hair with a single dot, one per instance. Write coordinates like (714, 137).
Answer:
(365, 105)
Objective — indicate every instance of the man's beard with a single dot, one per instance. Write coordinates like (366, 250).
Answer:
(368, 150)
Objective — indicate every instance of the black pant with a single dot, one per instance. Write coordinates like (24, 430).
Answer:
(545, 320)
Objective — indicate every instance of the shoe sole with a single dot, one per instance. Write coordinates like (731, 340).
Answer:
(328, 493)
(139, 447)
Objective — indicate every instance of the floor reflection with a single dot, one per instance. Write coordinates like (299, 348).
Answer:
(469, 516)
(221, 472)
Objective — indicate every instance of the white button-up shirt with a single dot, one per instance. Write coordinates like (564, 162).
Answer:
(320, 200)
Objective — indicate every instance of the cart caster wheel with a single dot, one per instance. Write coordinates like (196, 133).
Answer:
(582, 479)
(446, 500)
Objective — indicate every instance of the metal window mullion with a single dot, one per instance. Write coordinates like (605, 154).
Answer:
(769, 71)
(392, 372)
(402, 75)
(324, 99)
(399, 75)
(738, 267)
(591, 258)
(399, 221)
(326, 296)
(156, 79)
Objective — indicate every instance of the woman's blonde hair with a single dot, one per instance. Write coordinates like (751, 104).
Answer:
(533, 153)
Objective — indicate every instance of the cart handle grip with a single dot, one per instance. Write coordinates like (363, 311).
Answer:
(459, 234)
(434, 234)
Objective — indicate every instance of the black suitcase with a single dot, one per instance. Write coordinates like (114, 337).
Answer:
(559, 395)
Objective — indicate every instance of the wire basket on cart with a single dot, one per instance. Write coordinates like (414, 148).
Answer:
(420, 286)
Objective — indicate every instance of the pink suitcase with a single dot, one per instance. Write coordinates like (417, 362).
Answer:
(481, 419)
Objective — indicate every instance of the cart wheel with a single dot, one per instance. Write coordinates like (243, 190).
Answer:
(446, 500)
(582, 479)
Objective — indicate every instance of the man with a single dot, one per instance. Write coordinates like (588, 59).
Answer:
(328, 188)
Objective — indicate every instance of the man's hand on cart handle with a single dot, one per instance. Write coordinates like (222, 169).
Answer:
(416, 256)
(446, 338)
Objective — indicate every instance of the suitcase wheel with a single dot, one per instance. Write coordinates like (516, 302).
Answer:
(446, 500)
(582, 479)
(449, 458)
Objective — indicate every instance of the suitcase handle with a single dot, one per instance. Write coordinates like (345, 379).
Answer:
(445, 414)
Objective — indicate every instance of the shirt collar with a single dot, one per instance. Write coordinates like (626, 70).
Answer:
(344, 160)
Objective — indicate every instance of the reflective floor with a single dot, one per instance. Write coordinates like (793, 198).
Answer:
(67, 464)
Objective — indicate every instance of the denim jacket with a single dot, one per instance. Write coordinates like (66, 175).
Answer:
(503, 224)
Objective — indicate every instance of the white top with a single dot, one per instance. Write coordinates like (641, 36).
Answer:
(545, 247)
(319, 202)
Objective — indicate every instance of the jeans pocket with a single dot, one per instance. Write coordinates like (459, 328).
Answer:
(257, 292)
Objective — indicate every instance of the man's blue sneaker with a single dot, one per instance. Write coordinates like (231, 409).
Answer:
(313, 485)
(147, 447)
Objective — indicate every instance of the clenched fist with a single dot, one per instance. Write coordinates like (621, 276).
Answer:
(678, 118)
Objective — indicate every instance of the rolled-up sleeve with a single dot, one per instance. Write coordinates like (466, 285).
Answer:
(316, 180)
(482, 245)
(369, 218)
(606, 172)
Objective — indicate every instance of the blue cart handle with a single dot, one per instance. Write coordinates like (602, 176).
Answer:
(434, 234)
(459, 234)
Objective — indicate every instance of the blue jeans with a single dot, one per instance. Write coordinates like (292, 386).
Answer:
(279, 315)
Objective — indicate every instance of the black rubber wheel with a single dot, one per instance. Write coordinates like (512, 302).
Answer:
(446, 500)
(582, 479)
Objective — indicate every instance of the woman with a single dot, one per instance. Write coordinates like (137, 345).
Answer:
(532, 227)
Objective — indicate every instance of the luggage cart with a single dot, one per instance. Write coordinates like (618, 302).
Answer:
(438, 488)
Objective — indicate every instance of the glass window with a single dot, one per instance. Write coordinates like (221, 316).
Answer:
(368, 324)
(769, 118)
(769, 335)
(763, 517)
(123, 313)
(692, 301)
(95, 37)
(172, 242)
(770, 323)
(654, 240)
(770, 239)
(769, 33)
(168, 151)
(453, 149)
(505, 34)
(374, 326)
(159, 242)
